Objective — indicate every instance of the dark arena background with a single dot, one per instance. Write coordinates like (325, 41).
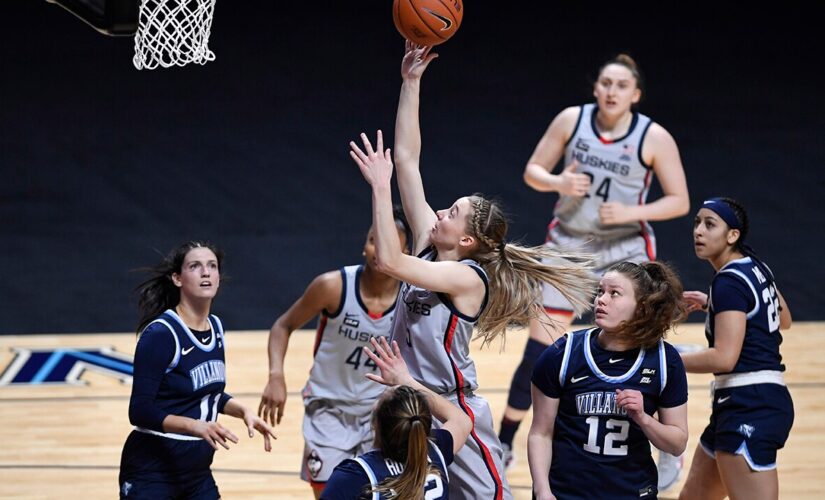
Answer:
(105, 168)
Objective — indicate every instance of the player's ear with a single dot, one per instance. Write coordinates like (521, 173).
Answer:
(176, 280)
(733, 236)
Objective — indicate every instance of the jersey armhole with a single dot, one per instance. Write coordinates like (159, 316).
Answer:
(576, 127)
(662, 366)
(370, 475)
(642, 144)
(176, 357)
(343, 299)
(566, 358)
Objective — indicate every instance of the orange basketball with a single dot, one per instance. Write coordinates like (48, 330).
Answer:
(427, 22)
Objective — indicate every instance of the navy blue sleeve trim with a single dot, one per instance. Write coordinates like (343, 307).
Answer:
(449, 303)
(641, 145)
(426, 250)
(576, 128)
(343, 295)
(222, 401)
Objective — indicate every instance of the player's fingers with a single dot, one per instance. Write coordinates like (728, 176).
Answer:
(376, 378)
(379, 141)
(367, 144)
(267, 445)
(280, 415)
(380, 347)
(395, 349)
(385, 346)
(361, 165)
(354, 149)
(225, 433)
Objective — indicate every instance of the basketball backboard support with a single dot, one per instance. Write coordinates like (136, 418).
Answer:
(110, 17)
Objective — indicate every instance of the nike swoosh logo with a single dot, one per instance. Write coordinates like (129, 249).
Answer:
(187, 351)
(611, 360)
(722, 400)
(205, 340)
(446, 20)
(573, 380)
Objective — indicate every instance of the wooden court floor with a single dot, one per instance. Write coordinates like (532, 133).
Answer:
(65, 440)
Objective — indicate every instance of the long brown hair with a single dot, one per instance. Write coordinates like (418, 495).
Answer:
(516, 273)
(402, 423)
(659, 303)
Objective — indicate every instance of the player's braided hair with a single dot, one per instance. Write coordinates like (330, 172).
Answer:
(159, 293)
(516, 273)
(741, 245)
(402, 423)
(659, 304)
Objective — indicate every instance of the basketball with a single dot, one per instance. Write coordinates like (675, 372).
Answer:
(427, 22)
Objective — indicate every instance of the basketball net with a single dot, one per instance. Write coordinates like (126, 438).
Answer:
(173, 33)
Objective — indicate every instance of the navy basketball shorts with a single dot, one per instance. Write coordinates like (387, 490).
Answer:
(153, 467)
(753, 421)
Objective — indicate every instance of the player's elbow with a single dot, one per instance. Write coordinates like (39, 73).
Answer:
(465, 426)
(680, 445)
(387, 263)
(682, 206)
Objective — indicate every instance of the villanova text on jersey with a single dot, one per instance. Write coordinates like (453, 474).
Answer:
(207, 373)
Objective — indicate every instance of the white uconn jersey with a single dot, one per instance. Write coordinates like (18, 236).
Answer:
(434, 337)
(338, 372)
(617, 173)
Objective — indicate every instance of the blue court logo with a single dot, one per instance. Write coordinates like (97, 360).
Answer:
(60, 366)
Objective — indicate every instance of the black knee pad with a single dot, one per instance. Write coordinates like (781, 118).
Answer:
(519, 397)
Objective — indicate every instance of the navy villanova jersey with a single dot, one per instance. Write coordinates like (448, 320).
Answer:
(353, 478)
(195, 379)
(598, 451)
(742, 286)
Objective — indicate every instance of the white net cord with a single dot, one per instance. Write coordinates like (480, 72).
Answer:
(173, 33)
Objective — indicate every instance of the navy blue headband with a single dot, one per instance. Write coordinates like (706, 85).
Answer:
(723, 210)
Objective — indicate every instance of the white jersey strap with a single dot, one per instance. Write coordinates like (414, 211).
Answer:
(176, 357)
(370, 475)
(662, 366)
(565, 359)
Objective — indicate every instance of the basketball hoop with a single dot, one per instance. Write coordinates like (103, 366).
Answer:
(173, 33)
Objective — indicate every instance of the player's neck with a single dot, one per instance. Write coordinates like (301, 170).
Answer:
(724, 258)
(377, 285)
(610, 342)
(613, 126)
(194, 314)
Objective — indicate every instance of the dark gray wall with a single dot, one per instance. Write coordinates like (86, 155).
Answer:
(104, 166)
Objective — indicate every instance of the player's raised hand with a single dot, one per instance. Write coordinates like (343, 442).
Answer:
(416, 59)
(255, 423)
(572, 182)
(375, 164)
(273, 400)
(389, 361)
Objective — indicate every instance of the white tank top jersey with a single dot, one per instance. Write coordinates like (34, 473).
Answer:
(340, 365)
(617, 173)
(434, 337)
